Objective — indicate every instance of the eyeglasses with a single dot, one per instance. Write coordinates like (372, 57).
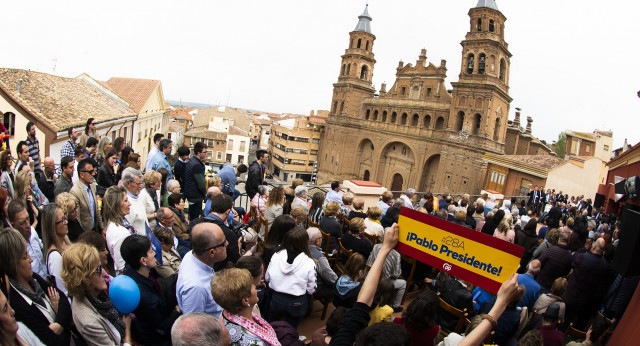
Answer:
(224, 243)
(91, 171)
(64, 218)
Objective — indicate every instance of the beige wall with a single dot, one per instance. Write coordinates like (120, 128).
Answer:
(575, 180)
(601, 142)
(21, 128)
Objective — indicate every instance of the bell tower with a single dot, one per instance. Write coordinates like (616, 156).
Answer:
(356, 70)
(480, 98)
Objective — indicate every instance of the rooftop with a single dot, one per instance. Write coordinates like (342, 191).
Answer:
(488, 3)
(204, 132)
(236, 131)
(136, 91)
(537, 165)
(364, 24)
(60, 102)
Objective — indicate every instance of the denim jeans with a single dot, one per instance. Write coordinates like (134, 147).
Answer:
(292, 308)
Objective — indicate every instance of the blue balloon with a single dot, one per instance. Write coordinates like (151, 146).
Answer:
(124, 294)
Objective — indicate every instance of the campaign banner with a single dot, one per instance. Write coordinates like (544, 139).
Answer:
(465, 253)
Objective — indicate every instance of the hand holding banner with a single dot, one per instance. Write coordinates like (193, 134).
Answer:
(473, 256)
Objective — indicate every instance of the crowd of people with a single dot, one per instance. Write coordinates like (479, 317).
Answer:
(212, 273)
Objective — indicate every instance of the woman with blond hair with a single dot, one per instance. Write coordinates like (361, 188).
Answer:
(54, 238)
(94, 315)
(274, 207)
(115, 205)
(372, 223)
(150, 195)
(103, 146)
(23, 193)
(170, 258)
(505, 232)
(330, 224)
(234, 290)
(69, 205)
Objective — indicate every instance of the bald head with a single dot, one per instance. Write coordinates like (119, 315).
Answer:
(198, 328)
(205, 241)
(598, 246)
(534, 267)
(212, 192)
(49, 166)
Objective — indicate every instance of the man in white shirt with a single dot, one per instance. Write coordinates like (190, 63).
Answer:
(406, 197)
(19, 218)
(132, 181)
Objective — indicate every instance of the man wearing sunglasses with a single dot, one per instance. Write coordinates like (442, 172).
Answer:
(193, 288)
(85, 191)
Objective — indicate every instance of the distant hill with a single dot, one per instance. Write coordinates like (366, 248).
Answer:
(204, 105)
(189, 104)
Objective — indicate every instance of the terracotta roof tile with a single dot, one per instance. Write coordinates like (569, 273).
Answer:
(173, 127)
(236, 131)
(538, 165)
(136, 91)
(60, 102)
(204, 132)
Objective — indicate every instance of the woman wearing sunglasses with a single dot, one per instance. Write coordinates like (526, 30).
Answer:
(94, 315)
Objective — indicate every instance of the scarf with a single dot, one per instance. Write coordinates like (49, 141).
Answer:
(102, 303)
(179, 214)
(345, 284)
(126, 224)
(38, 296)
(261, 329)
(153, 196)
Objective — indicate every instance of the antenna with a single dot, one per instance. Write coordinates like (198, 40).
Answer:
(55, 61)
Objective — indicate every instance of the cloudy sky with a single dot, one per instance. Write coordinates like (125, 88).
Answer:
(573, 67)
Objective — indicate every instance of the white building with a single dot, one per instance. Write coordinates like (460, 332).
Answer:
(237, 146)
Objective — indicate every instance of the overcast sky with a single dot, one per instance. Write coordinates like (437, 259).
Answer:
(573, 67)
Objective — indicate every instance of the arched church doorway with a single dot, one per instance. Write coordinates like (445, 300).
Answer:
(366, 175)
(429, 174)
(396, 182)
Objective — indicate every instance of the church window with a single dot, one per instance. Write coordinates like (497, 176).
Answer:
(348, 69)
(375, 115)
(496, 130)
(366, 47)
(404, 90)
(343, 70)
(335, 107)
(460, 123)
(415, 120)
(479, 26)
(404, 119)
(481, 63)
(491, 25)
(366, 117)
(476, 123)
(359, 42)
(394, 117)
(503, 69)
(428, 92)
(341, 107)
(427, 121)
(363, 72)
(470, 63)
(384, 116)
(414, 93)
(440, 123)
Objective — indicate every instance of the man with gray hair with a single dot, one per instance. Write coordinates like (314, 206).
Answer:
(198, 328)
(326, 276)
(173, 186)
(406, 197)
(137, 217)
(300, 200)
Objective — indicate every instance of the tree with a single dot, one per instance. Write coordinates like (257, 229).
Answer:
(561, 145)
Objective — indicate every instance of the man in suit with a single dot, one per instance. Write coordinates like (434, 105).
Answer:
(85, 191)
(533, 197)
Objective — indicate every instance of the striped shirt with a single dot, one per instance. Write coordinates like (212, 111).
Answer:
(34, 151)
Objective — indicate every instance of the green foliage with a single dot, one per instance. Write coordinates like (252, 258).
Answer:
(561, 145)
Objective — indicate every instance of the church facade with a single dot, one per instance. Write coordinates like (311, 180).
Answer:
(417, 134)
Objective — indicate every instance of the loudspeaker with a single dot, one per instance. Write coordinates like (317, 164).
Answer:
(627, 258)
(598, 201)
